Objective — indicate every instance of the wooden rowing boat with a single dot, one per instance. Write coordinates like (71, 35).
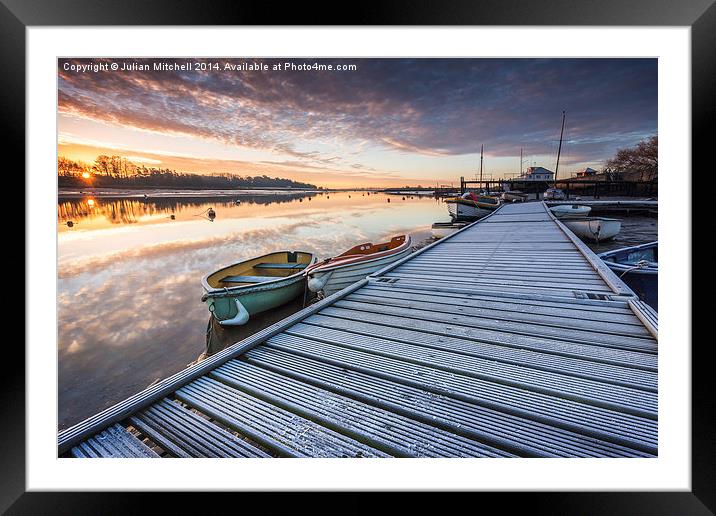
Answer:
(234, 293)
(471, 207)
(334, 274)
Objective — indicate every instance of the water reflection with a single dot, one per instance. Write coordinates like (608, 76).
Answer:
(129, 276)
(130, 211)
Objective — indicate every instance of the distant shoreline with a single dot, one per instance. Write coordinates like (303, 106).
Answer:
(66, 192)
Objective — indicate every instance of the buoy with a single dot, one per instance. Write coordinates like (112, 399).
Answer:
(70, 223)
(349, 196)
(403, 198)
(309, 198)
(211, 213)
(388, 200)
(238, 201)
(172, 216)
(300, 200)
(328, 196)
(145, 196)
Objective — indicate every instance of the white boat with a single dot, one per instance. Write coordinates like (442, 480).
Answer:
(443, 229)
(554, 194)
(334, 274)
(594, 228)
(570, 211)
(471, 207)
(514, 196)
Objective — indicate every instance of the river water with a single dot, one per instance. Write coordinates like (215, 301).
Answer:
(129, 297)
(129, 272)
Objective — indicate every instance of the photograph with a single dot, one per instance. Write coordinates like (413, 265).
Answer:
(358, 257)
(263, 246)
(421, 235)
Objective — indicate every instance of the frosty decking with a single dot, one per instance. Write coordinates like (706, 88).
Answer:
(507, 338)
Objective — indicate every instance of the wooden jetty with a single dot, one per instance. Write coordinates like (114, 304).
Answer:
(508, 338)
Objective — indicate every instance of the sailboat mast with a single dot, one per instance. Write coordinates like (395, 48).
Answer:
(481, 147)
(559, 150)
(520, 161)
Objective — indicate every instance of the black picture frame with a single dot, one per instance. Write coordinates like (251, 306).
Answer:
(700, 15)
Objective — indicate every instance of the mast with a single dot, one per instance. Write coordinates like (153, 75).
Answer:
(481, 147)
(520, 162)
(559, 149)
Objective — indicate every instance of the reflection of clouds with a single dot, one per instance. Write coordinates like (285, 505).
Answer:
(249, 237)
(98, 248)
(73, 347)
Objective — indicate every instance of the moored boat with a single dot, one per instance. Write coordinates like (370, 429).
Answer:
(594, 228)
(570, 210)
(471, 207)
(514, 196)
(234, 293)
(443, 229)
(638, 267)
(554, 194)
(334, 274)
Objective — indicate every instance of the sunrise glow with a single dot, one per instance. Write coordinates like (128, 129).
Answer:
(388, 122)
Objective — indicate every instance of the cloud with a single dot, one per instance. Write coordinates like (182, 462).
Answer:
(429, 107)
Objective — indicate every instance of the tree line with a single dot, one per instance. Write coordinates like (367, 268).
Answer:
(118, 171)
(638, 163)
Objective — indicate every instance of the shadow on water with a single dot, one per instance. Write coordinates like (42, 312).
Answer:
(220, 337)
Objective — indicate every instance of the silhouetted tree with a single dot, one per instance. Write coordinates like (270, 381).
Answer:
(112, 171)
(640, 162)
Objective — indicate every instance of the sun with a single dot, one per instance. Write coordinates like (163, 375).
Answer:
(86, 175)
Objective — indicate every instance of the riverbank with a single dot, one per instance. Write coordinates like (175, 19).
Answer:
(143, 192)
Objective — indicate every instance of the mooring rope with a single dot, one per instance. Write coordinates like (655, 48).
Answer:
(638, 265)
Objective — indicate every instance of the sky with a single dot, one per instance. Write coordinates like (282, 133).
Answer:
(382, 122)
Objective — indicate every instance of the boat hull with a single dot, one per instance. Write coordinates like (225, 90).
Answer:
(254, 300)
(465, 211)
(238, 291)
(333, 279)
(594, 229)
(441, 230)
(514, 197)
(644, 281)
(554, 195)
(564, 211)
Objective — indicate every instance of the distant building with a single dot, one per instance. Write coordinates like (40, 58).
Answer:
(587, 172)
(537, 174)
